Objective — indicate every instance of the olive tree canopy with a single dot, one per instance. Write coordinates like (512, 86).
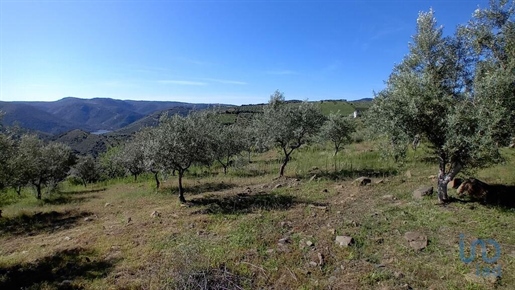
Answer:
(430, 93)
(289, 125)
(184, 141)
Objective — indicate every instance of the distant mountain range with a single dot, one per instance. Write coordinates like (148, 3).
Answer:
(91, 126)
(89, 115)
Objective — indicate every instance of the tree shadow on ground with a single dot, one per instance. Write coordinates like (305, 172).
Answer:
(348, 173)
(502, 196)
(70, 197)
(203, 187)
(57, 271)
(33, 224)
(243, 203)
(248, 173)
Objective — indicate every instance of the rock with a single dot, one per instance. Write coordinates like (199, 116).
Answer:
(408, 174)
(321, 261)
(313, 177)
(422, 191)
(67, 238)
(433, 177)
(474, 188)
(380, 181)
(455, 183)
(332, 231)
(278, 186)
(388, 196)
(284, 241)
(155, 214)
(313, 264)
(398, 275)
(322, 207)
(88, 219)
(416, 240)
(309, 243)
(66, 283)
(362, 181)
(107, 204)
(344, 241)
(286, 224)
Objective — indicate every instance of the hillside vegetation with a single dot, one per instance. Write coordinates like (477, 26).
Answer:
(248, 229)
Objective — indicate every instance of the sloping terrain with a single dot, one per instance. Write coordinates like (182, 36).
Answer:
(85, 114)
(29, 117)
(85, 143)
(249, 230)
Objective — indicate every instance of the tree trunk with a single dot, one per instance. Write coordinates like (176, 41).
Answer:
(157, 179)
(18, 190)
(135, 177)
(225, 169)
(38, 190)
(283, 166)
(181, 189)
(444, 179)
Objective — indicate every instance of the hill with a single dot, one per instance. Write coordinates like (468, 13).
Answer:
(85, 114)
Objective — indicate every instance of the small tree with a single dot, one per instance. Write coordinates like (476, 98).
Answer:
(132, 158)
(111, 164)
(87, 170)
(229, 141)
(148, 140)
(429, 94)
(289, 126)
(185, 141)
(337, 129)
(41, 164)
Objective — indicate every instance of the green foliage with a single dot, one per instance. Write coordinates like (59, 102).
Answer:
(110, 163)
(430, 93)
(184, 141)
(40, 164)
(87, 170)
(289, 126)
(229, 140)
(491, 38)
(6, 155)
(337, 129)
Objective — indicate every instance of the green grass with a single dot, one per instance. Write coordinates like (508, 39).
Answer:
(230, 230)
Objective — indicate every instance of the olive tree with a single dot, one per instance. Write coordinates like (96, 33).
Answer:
(42, 164)
(228, 142)
(490, 35)
(132, 158)
(148, 141)
(110, 162)
(87, 170)
(6, 155)
(337, 129)
(289, 125)
(185, 141)
(429, 93)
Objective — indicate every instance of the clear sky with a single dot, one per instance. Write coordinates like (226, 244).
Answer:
(236, 52)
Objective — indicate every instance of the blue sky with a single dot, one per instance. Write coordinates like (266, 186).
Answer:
(236, 52)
